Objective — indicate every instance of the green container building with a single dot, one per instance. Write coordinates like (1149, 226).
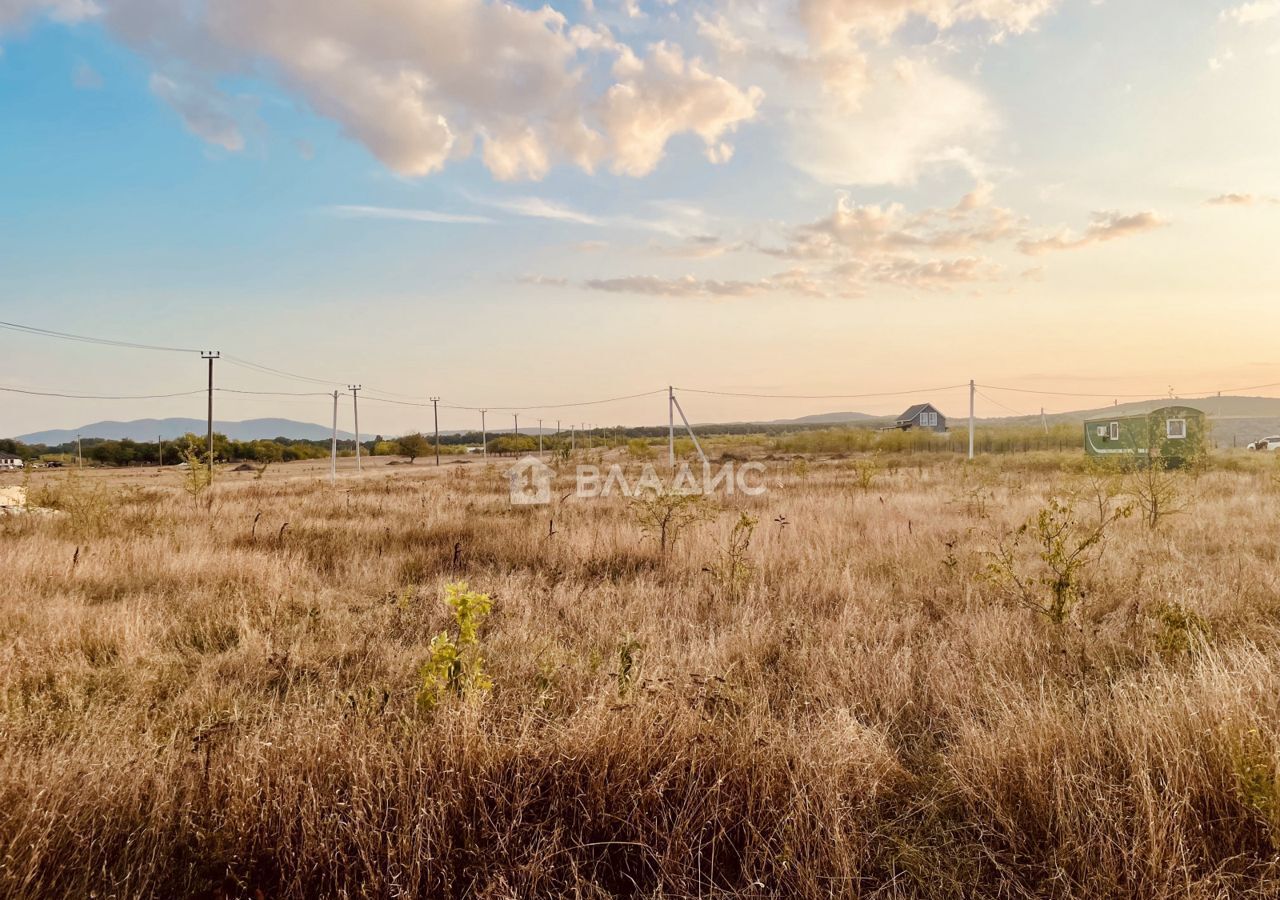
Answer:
(1174, 433)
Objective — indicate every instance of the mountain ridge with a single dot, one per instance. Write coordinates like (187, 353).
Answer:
(172, 428)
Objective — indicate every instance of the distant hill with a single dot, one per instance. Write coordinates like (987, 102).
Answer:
(169, 429)
(1233, 421)
(835, 418)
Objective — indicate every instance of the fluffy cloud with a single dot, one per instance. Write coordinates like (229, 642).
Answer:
(14, 12)
(915, 118)
(860, 246)
(1249, 13)
(421, 84)
(1106, 226)
(863, 108)
(869, 230)
(832, 23)
(664, 95)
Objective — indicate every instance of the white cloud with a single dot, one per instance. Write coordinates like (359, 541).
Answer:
(833, 23)
(206, 112)
(1241, 200)
(1106, 226)
(422, 84)
(409, 215)
(13, 12)
(916, 119)
(664, 95)
(540, 208)
(867, 231)
(1250, 13)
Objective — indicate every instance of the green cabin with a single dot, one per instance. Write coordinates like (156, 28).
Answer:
(1175, 433)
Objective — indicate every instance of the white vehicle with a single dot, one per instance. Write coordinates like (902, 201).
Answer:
(1267, 443)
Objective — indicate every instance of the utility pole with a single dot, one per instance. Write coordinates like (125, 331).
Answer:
(333, 444)
(515, 432)
(435, 415)
(539, 439)
(671, 426)
(573, 439)
(484, 435)
(355, 408)
(79, 454)
(689, 428)
(160, 444)
(1044, 421)
(210, 355)
(973, 389)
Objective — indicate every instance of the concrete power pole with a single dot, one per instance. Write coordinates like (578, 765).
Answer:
(355, 408)
(539, 439)
(210, 355)
(333, 444)
(484, 436)
(160, 444)
(79, 454)
(671, 426)
(972, 390)
(435, 415)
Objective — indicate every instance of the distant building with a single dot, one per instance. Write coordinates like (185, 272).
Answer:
(9, 462)
(924, 417)
(1172, 432)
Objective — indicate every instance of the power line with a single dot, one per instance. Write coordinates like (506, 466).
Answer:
(427, 405)
(951, 387)
(12, 390)
(1001, 405)
(249, 364)
(274, 393)
(1158, 396)
(85, 339)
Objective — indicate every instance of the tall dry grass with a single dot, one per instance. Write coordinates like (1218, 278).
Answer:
(220, 699)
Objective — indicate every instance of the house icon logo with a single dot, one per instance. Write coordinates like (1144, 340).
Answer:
(530, 481)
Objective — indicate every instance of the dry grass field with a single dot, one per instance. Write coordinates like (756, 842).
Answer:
(227, 697)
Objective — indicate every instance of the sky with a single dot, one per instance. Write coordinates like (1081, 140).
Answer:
(512, 204)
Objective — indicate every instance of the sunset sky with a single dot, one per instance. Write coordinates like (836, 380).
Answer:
(510, 204)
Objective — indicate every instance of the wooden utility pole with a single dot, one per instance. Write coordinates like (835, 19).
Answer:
(355, 408)
(210, 355)
(973, 389)
(333, 443)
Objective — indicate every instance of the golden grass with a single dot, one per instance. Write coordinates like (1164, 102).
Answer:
(221, 701)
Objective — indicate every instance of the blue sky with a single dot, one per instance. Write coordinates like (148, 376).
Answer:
(507, 205)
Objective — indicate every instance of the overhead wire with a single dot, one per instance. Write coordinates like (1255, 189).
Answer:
(35, 393)
(951, 387)
(86, 339)
(423, 402)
